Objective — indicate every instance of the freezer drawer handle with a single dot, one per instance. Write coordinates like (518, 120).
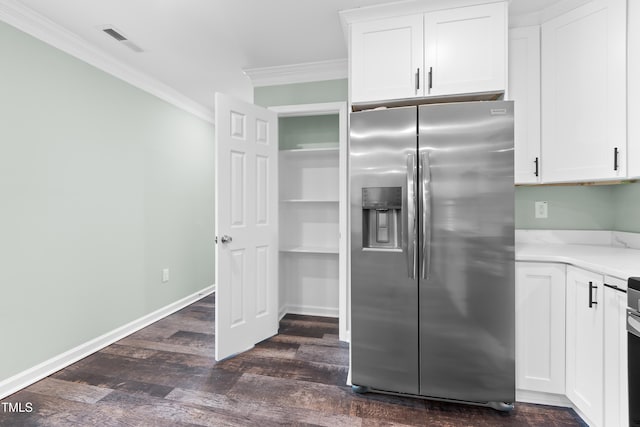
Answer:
(592, 302)
(425, 200)
(410, 235)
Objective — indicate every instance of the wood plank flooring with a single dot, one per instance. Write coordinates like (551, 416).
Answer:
(165, 375)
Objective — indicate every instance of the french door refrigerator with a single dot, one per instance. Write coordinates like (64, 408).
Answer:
(432, 252)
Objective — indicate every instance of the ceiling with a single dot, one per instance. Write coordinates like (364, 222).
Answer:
(198, 47)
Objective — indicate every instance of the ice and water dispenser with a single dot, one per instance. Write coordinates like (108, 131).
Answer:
(381, 224)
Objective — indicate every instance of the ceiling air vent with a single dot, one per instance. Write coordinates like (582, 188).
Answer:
(121, 38)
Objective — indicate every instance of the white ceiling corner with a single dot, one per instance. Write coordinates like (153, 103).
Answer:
(27, 20)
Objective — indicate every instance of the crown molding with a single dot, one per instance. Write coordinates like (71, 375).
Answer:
(298, 73)
(27, 20)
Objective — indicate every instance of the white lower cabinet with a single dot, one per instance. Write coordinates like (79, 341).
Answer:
(571, 340)
(585, 326)
(616, 402)
(540, 327)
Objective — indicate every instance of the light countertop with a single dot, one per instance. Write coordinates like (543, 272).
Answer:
(618, 262)
(611, 253)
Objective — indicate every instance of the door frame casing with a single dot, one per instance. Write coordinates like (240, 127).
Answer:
(339, 108)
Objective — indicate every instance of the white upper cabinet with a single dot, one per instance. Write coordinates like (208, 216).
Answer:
(386, 58)
(455, 51)
(466, 49)
(584, 94)
(633, 58)
(524, 89)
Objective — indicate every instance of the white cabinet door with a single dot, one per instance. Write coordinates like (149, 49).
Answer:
(465, 49)
(584, 93)
(616, 412)
(524, 89)
(540, 327)
(633, 96)
(585, 318)
(387, 58)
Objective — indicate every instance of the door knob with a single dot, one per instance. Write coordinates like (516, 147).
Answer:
(226, 239)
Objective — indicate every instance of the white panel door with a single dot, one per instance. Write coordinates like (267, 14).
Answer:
(387, 59)
(584, 93)
(246, 225)
(585, 353)
(540, 327)
(466, 49)
(524, 89)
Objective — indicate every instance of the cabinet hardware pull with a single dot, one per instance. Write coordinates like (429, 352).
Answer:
(615, 158)
(591, 300)
(417, 80)
(430, 79)
(536, 161)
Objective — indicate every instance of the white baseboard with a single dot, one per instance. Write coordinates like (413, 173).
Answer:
(48, 367)
(309, 310)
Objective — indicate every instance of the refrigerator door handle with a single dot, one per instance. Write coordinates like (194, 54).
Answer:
(410, 235)
(425, 201)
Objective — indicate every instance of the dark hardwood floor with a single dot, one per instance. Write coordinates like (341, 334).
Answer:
(165, 375)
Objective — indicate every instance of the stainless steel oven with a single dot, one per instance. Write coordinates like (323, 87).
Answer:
(633, 337)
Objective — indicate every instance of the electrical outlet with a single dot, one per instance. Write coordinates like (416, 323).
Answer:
(165, 275)
(542, 210)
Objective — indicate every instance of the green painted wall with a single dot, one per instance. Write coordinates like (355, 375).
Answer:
(613, 207)
(626, 207)
(301, 93)
(570, 207)
(103, 185)
(295, 132)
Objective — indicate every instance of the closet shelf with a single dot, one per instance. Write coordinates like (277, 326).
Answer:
(310, 249)
(308, 201)
(311, 150)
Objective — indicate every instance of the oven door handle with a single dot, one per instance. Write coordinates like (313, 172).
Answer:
(633, 323)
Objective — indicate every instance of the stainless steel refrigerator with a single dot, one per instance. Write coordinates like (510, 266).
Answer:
(432, 252)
